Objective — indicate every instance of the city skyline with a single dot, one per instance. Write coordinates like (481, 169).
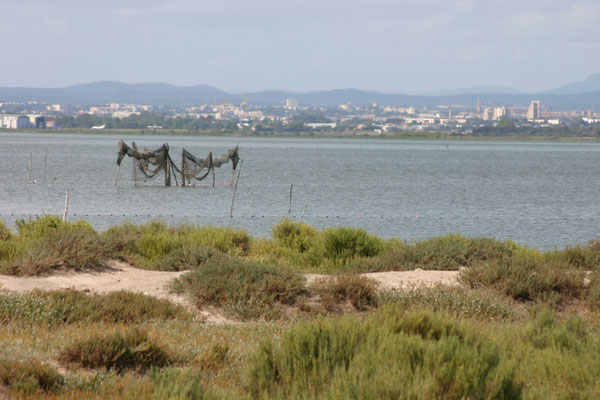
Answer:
(383, 45)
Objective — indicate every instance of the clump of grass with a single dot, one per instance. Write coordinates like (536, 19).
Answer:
(29, 377)
(235, 281)
(389, 355)
(70, 306)
(346, 243)
(64, 248)
(448, 252)
(457, 301)
(546, 331)
(528, 275)
(188, 257)
(170, 384)
(4, 232)
(214, 358)
(132, 350)
(355, 289)
(297, 236)
(157, 246)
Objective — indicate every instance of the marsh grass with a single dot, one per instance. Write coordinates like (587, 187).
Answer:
(130, 350)
(71, 306)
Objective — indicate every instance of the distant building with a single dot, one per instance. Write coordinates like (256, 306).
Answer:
(488, 114)
(13, 121)
(291, 104)
(478, 107)
(499, 113)
(535, 110)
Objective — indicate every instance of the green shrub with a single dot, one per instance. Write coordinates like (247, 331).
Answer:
(457, 301)
(67, 248)
(440, 253)
(39, 227)
(188, 257)
(29, 377)
(173, 384)
(390, 355)
(70, 306)
(4, 232)
(345, 243)
(235, 281)
(546, 331)
(132, 350)
(225, 239)
(358, 290)
(297, 236)
(593, 291)
(527, 275)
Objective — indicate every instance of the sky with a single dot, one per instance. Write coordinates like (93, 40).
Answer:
(306, 45)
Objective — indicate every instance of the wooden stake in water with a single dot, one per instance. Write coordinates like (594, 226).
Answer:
(291, 189)
(45, 163)
(117, 174)
(235, 188)
(134, 172)
(30, 161)
(183, 167)
(66, 206)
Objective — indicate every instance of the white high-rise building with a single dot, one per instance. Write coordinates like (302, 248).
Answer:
(291, 104)
(535, 110)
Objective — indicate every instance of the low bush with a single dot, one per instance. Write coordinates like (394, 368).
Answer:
(189, 257)
(235, 281)
(546, 331)
(70, 306)
(389, 355)
(4, 231)
(346, 243)
(528, 275)
(132, 350)
(297, 236)
(173, 384)
(29, 377)
(358, 290)
(441, 253)
(64, 248)
(457, 301)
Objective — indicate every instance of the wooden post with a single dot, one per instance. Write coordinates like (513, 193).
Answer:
(29, 174)
(183, 168)
(45, 163)
(117, 174)
(235, 188)
(291, 189)
(66, 206)
(134, 171)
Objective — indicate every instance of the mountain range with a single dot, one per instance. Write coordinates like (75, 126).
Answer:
(577, 95)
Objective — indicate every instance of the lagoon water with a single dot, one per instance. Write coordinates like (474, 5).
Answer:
(543, 194)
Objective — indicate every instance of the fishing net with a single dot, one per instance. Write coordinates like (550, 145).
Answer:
(148, 162)
(193, 167)
(232, 154)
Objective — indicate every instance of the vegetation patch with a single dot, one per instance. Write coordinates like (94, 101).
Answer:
(238, 283)
(46, 244)
(70, 306)
(29, 377)
(359, 291)
(389, 355)
(529, 275)
(131, 350)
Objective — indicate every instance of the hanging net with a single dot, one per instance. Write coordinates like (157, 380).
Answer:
(148, 162)
(196, 168)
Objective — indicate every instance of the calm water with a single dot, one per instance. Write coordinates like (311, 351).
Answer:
(540, 194)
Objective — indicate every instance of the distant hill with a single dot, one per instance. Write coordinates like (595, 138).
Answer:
(165, 94)
(590, 84)
(475, 89)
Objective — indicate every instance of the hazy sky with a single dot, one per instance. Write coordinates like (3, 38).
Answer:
(399, 46)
